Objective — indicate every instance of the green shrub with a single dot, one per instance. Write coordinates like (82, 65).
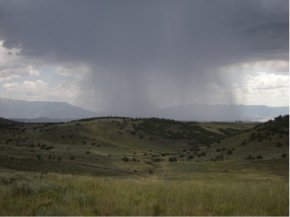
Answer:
(250, 157)
(172, 159)
(157, 159)
(38, 157)
(284, 155)
(219, 157)
(126, 159)
(190, 157)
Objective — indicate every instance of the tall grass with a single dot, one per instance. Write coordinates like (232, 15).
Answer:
(201, 195)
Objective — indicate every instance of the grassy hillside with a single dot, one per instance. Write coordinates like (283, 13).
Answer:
(114, 146)
(158, 158)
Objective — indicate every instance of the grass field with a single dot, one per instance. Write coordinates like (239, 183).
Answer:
(122, 166)
(200, 194)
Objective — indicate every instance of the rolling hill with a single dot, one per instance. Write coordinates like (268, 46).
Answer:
(115, 145)
(144, 167)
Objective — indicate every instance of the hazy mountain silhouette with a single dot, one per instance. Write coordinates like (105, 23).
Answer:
(38, 111)
(201, 112)
(41, 111)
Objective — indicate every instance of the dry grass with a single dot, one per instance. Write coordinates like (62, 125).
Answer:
(34, 194)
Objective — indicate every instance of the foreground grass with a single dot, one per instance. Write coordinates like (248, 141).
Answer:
(220, 194)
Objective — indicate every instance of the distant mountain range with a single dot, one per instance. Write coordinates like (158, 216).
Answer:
(202, 112)
(38, 111)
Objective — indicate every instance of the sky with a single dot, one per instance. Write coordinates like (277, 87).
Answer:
(138, 56)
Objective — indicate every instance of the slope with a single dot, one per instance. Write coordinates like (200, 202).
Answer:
(122, 146)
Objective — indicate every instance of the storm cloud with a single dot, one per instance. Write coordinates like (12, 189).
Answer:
(146, 55)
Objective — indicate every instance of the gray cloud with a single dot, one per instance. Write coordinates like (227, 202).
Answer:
(128, 44)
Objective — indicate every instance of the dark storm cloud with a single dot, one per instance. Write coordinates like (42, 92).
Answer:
(130, 43)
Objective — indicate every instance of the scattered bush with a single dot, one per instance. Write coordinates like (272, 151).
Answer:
(126, 159)
(38, 157)
(219, 157)
(72, 157)
(253, 136)
(250, 157)
(172, 159)
(284, 155)
(157, 159)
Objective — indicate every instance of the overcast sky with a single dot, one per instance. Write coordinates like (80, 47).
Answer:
(138, 56)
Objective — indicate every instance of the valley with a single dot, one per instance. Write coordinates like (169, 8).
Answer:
(149, 155)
